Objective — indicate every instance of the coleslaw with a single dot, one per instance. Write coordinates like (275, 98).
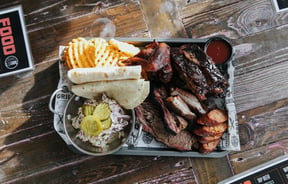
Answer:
(115, 131)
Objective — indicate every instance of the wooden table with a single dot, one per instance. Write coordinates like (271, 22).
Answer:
(32, 152)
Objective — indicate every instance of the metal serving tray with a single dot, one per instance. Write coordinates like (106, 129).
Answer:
(141, 143)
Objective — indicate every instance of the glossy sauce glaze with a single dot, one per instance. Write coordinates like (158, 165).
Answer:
(219, 51)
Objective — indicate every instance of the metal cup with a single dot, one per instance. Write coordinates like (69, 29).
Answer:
(221, 48)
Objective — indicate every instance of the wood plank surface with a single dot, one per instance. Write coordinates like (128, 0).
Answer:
(207, 170)
(112, 21)
(32, 152)
(248, 159)
(264, 69)
(233, 19)
(163, 19)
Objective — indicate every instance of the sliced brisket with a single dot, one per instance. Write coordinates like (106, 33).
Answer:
(151, 117)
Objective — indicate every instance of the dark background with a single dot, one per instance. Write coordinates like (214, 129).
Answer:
(282, 4)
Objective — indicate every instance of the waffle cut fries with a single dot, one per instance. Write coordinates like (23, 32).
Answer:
(97, 52)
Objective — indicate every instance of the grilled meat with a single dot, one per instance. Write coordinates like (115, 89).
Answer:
(210, 130)
(169, 118)
(214, 117)
(176, 104)
(151, 117)
(155, 61)
(207, 139)
(196, 69)
(215, 80)
(190, 73)
(190, 100)
(181, 122)
(208, 147)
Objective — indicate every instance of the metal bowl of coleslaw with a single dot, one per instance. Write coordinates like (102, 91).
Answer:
(109, 140)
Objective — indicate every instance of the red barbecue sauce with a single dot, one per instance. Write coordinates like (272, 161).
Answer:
(218, 51)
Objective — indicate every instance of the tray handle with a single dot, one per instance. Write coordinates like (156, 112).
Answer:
(51, 106)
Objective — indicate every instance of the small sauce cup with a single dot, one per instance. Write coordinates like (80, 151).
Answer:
(219, 50)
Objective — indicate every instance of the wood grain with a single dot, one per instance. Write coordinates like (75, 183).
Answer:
(62, 33)
(233, 19)
(207, 170)
(264, 128)
(163, 19)
(184, 176)
(247, 159)
(259, 77)
(115, 169)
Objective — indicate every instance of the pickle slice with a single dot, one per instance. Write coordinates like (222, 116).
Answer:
(106, 123)
(91, 125)
(102, 111)
(88, 110)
